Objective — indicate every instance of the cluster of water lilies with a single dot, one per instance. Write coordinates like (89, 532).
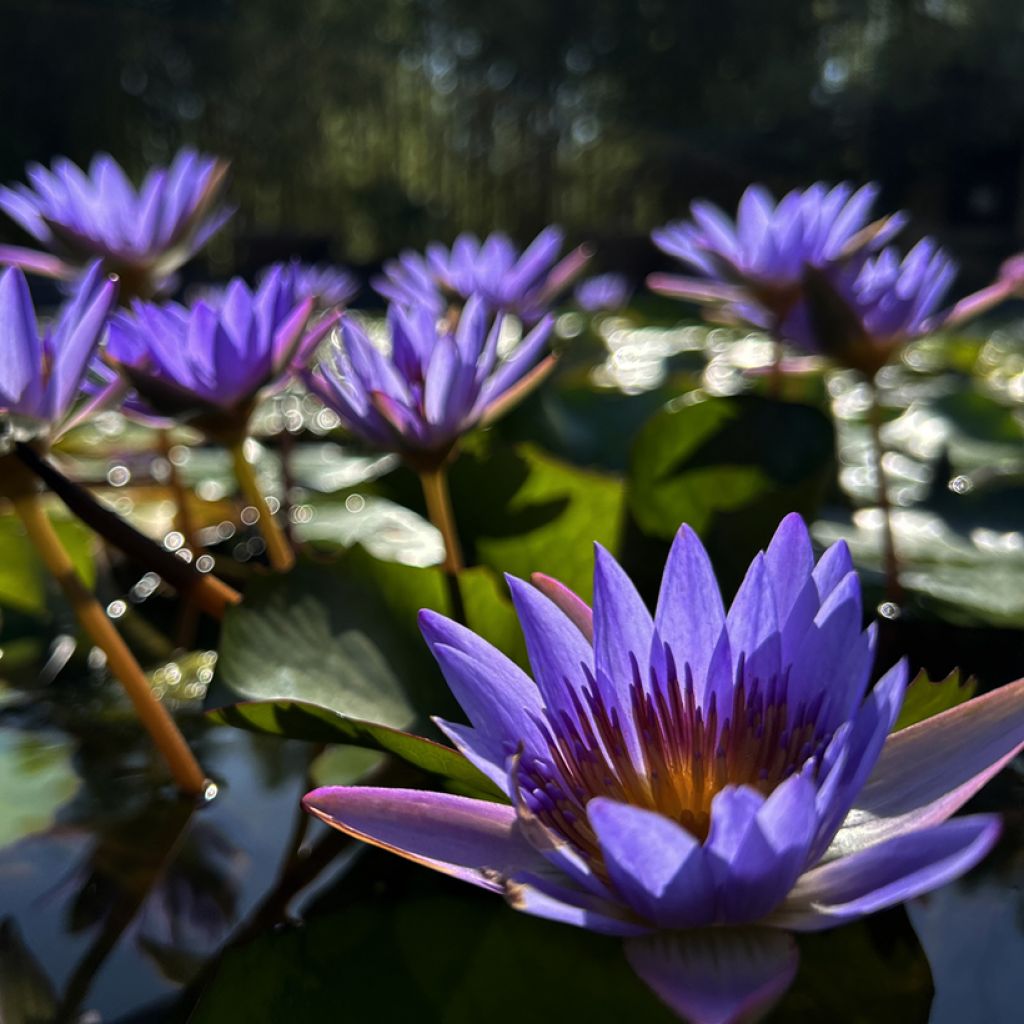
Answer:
(701, 782)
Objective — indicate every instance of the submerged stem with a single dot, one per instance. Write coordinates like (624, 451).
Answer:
(279, 551)
(120, 660)
(893, 589)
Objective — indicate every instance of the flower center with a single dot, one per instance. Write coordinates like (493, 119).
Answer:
(685, 752)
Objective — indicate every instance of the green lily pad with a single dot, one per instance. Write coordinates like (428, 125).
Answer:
(319, 636)
(24, 582)
(731, 468)
(38, 779)
(301, 721)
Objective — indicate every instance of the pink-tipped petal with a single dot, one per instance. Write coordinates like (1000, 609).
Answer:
(887, 873)
(576, 609)
(473, 840)
(929, 770)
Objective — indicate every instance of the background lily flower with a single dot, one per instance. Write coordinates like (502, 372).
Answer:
(860, 313)
(330, 286)
(603, 292)
(753, 267)
(208, 363)
(141, 234)
(507, 281)
(699, 767)
(40, 373)
(435, 384)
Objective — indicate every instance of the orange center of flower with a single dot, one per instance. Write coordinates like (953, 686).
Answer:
(683, 755)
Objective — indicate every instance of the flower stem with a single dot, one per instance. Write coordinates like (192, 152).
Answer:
(893, 589)
(183, 521)
(282, 558)
(439, 509)
(120, 660)
(211, 594)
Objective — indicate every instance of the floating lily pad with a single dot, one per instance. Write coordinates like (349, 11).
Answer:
(731, 468)
(301, 721)
(38, 779)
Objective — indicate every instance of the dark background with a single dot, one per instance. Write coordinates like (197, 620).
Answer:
(357, 127)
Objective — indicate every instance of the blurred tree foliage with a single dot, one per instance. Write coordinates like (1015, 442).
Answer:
(359, 127)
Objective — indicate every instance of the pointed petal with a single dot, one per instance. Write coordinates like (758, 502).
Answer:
(719, 975)
(887, 873)
(81, 326)
(690, 614)
(657, 866)
(758, 847)
(474, 840)
(555, 646)
(578, 611)
(753, 625)
(929, 770)
(623, 631)
(498, 697)
(22, 366)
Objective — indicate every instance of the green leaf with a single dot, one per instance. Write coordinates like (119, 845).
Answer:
(520, 510)
(38, 779)
(345, 766)
(524, 511)
(24, 582)
(412, 946)
(323, 637)
(731, 468)
(302, 721)
(926, 697)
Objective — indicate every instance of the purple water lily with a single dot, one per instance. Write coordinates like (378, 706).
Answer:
(699, 767)
(861, 312)
(507, 281)
(435, 384)
(208, 363)
(751, 270)
(143, 235)
(603, 292)
(330, 286)
(40, 374)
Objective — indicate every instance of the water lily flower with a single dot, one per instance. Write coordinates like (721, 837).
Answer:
(603, 292)
(436, 383)
(752, 269)
(330, 286)
(41, 373)
(699, 767)
(862, 312)
(208, 363)
(524, 284)
(143, 234)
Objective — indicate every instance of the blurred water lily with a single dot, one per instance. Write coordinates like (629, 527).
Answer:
(751, 270)
(142, 234)
(328, 285)
(861, 312)
(699, 767)
(435, 383)
(207, 363)
(507, 281)
(603, 292)
(41, 373)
